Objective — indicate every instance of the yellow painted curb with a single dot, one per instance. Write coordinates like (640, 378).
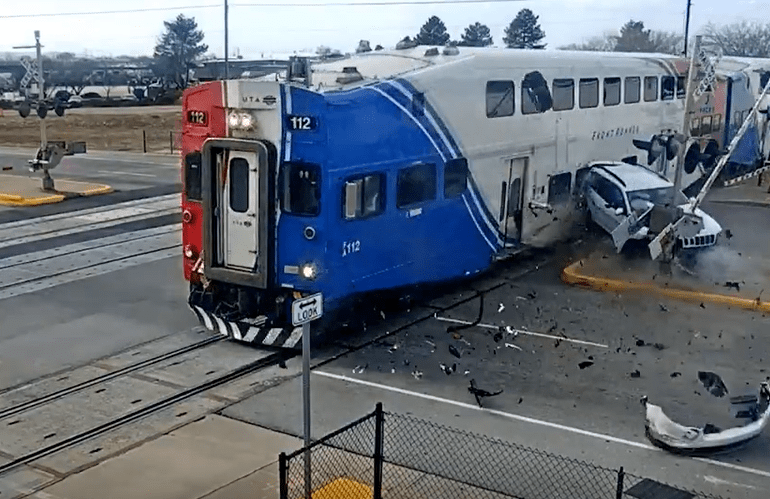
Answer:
(102, 189)
(344, 488)
(570, 275)
(14, 200)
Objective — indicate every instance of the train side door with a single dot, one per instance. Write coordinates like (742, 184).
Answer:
(240, 203)
(512, 202)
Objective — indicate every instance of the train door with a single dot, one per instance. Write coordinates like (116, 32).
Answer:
(512, 201)
(240, 238)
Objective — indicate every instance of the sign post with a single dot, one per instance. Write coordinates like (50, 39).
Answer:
(303, 311)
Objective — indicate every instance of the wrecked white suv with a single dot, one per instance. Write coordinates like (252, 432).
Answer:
(631, 202)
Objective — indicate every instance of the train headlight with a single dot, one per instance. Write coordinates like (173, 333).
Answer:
(240, 120)
(308, 271)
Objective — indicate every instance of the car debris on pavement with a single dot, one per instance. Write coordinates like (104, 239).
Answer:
(674, 437)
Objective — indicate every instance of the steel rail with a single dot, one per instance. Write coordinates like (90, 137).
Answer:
(31, 404)
(145, 411)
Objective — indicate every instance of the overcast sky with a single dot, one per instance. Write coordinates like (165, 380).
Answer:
(284, 26)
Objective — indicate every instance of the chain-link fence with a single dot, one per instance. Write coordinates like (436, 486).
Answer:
(386, 455)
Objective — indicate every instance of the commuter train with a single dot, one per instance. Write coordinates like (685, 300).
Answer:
(392, 169)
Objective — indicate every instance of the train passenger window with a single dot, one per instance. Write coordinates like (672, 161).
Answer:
(633, 89)
(301, 189)
(415, 184)
(611, 91)
(705, 125)
(667, 88)
(695, 127)
(681, 87)
(500, 99)
(364, 197)
(535, 96)
(563, 94)
(192, 176)
(589, 92)
(650, 88)
(717, 124)
(239, 185)
(455, 177)
(559, 188)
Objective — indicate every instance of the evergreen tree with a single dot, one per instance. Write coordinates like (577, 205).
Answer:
(179, 47)
(433, 32)
(524, 31)
(634, 38)
(476, 35)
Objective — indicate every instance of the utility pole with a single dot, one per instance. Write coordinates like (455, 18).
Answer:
(227, 56)
(687, 26)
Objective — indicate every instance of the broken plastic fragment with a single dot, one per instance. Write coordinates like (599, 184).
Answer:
(500, 308)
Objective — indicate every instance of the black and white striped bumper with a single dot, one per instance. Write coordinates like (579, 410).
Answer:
(255, 331)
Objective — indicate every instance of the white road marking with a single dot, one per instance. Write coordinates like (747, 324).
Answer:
(116, 172)
(539, 422)
(718, 481)
(523, 331)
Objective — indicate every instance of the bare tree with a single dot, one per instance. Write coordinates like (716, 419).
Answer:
(604, 43)
(741, 39)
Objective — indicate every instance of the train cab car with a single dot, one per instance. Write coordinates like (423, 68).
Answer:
(394, 169)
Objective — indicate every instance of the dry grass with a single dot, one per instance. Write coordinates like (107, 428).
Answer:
(119, 130)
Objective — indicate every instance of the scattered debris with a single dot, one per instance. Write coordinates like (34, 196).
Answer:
(500, 308)
(636, 374)
(480, 393)
(734, 285)
(382, 314)
(511, 345)
(393, 348)
(702, 305)
(448, 369)
(662, 307)
(659, 346)
(416, 374)
(521, 400)
(430, 343)
(456, 336)
(406, 362)
(463, 340)
(392, 370)
(675, 374)
(671, 436)
(282, 364)
(728, 234)
(498, 335)
(640, 342)
(510, 330)
(532, 295)
(713, 383)
(466, 372)
(556, 343)
(454, 351)
(360, 369)
(585, 363)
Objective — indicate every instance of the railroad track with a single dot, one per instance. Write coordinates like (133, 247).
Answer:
(6, 414)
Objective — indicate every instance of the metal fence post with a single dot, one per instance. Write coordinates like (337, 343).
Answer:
(171, 142)
(379, 423)
(619, 493)
(283, 477)
(144, 140)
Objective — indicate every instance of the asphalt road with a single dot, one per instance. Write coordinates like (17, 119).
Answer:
(549, 402)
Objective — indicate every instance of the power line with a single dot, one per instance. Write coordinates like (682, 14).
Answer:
(210, 6)
(100, 12)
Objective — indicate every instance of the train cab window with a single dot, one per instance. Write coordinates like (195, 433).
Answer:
(667, 88)
(705, 125)
(633, 89)
(695, 127)
(611, 91)
(239, 185)
(364, 197)
(416, 184)
(455, 177)
(559, 188)
(650, 88)
(563, 94)
(589, 92)
(301, 189)
(717, 124)
(500, 99)
(192, 176)
(681, 87)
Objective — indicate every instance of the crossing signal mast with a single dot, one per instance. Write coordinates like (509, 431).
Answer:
(49, 154)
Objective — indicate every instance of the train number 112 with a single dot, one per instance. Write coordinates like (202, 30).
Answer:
(301, 123)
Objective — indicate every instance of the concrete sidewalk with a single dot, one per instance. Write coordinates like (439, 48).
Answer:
(214, 458)
(27, 190)
(748, 192)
